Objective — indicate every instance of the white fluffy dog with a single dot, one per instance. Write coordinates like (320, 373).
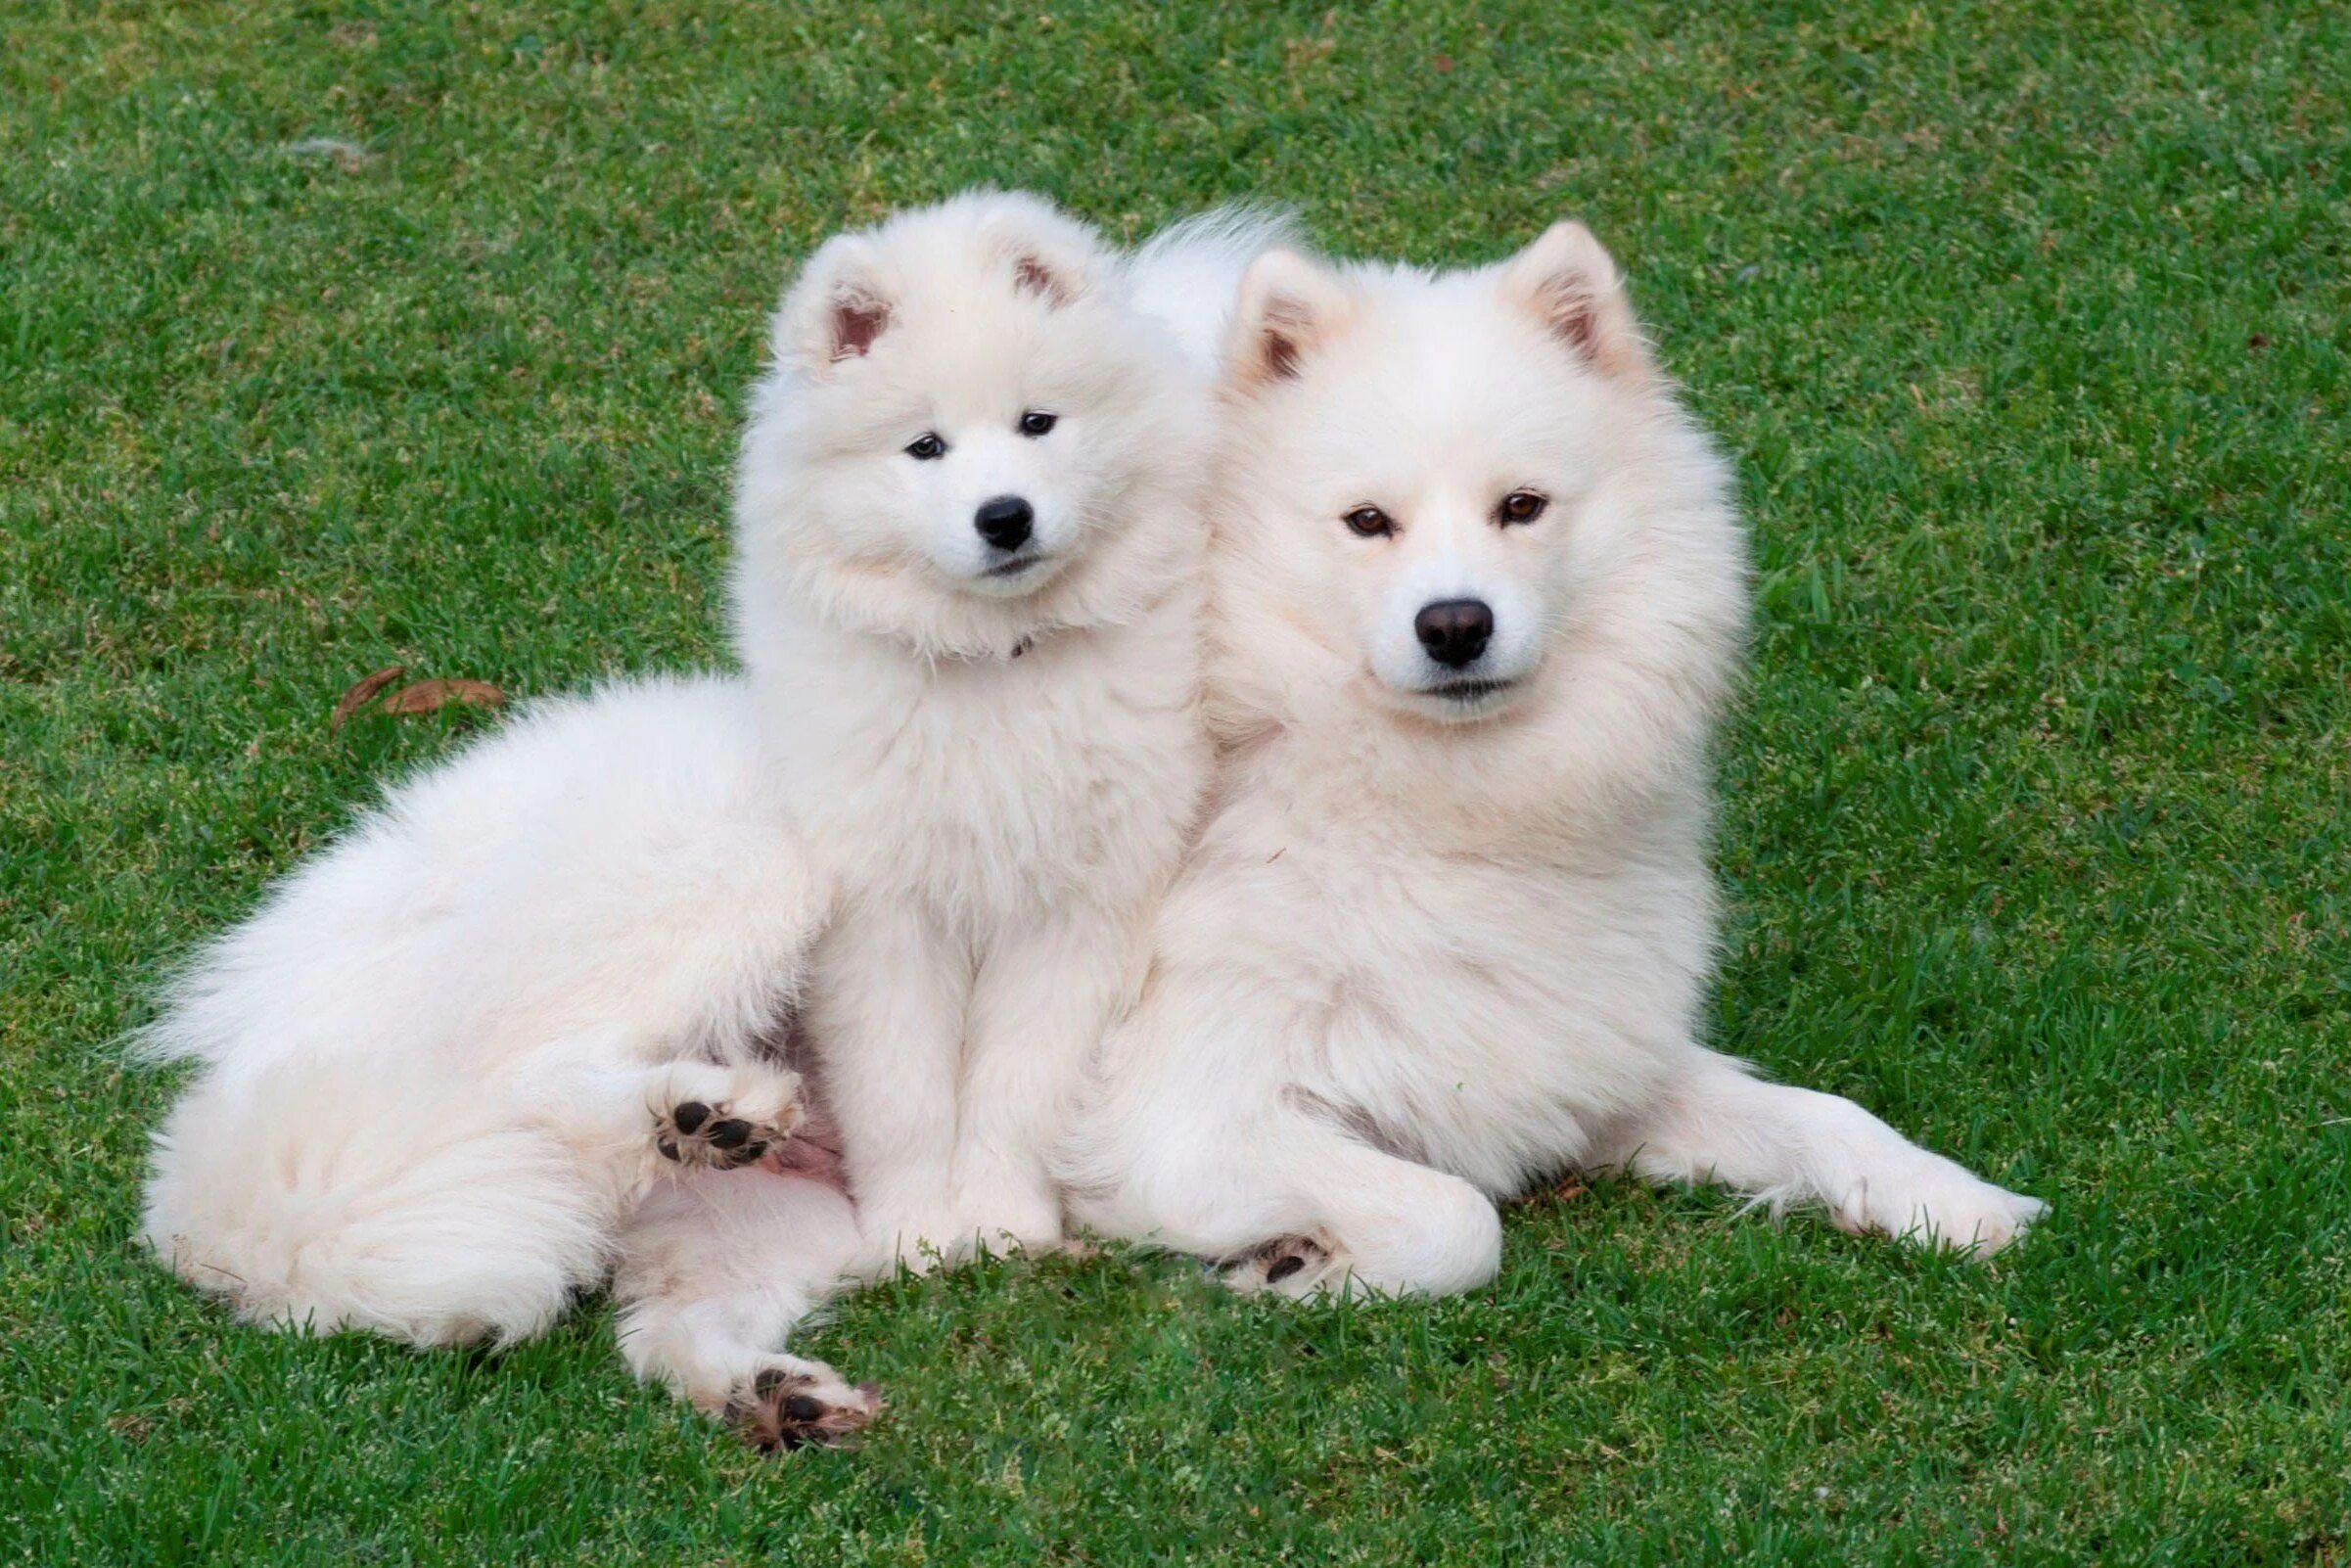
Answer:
(528, 1020)
(1480, 591)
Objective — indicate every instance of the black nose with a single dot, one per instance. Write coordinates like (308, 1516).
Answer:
(1004, 522)
(1454, 631)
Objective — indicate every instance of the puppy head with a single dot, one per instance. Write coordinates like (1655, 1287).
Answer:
(1410, 455)
(961, 413)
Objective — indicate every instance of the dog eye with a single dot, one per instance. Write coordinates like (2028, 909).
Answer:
(1370, 522)
(1037, 422)
(925, 447)
(1520, 506)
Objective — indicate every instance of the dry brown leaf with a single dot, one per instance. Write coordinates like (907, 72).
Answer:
(428, 695)
(363, 691)
(1566, 1191)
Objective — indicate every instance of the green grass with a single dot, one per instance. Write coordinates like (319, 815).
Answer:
(2027, 327)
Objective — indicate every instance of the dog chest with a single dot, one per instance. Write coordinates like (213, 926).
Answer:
(1484, 1016)
(1066, 772)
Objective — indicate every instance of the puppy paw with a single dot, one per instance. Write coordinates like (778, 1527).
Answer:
(924, 1232)
(798, 1404)
(1297, 1267)
(1011, 1216)
(724, 1126)
(915, 1240)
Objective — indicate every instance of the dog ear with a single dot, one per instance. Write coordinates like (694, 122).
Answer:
(1288, 306)
(1052, 255)
(1572, 286)
(837, 308)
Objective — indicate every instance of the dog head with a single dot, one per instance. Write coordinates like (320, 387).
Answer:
(1413, 461)
(962, 424)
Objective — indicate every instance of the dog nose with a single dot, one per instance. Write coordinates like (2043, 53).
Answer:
(1004, 522)
(1454, 631)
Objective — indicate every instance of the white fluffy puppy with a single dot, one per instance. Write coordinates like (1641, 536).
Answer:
(969, 591)
(529, 1015)
(1480, 590)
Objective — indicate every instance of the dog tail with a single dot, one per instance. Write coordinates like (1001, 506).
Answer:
(318, 1200)
(1186, 277)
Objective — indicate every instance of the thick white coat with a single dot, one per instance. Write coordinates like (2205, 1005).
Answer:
(921, 833)
(1448, 927)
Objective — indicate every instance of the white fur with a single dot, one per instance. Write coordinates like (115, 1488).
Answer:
(1434, 947)
(719, 1268)
(1002, 783)
(431, 1059)
(923, 830)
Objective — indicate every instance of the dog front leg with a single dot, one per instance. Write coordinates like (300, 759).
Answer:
(1783, 1145)
(885, 1016)
(1043, 999)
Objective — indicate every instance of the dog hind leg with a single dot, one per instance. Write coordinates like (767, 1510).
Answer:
(616, 1105)
(714, 1270)
(1303, 1209)
(1389, 1226)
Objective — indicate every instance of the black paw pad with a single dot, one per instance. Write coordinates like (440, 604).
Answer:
(702, 1135)
(1282, 1259)
(780, 1415)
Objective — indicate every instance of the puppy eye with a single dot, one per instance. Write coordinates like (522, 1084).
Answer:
(1037, 422)
(1521, 506)
(1370, 522)
(926, 448)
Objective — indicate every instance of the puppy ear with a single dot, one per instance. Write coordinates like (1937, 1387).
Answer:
(1573, 288)
(836, 309)
(1289, 306)
(1051, 254)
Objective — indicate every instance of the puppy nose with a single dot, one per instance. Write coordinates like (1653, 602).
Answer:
(1004, 522)
(1454, 631)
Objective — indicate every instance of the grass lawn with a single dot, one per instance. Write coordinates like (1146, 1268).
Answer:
(2027, 327)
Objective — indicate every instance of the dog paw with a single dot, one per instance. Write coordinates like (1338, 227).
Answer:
(1011, 1216)
(1295, 1266)
(913, 1239)
(801, 1405)
(919, 1231)
(735, 1125)
(1980, 1222)
(1947, 1207)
